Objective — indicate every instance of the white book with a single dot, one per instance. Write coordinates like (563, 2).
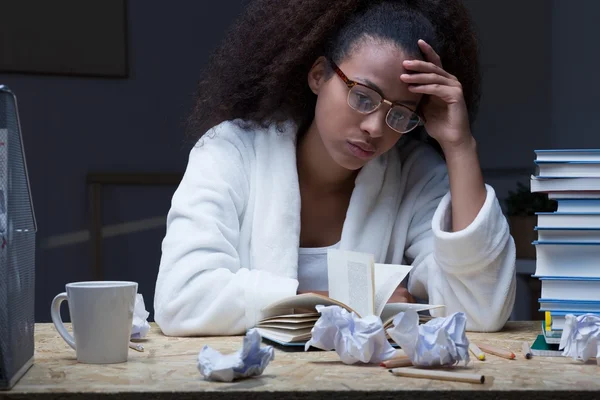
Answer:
(571, 220)
(578, 205)
(573, 195)
(577, 235)
(566, 155)
(566, 169)
(351, 278)
(356, 283)
(570, 288)
(554, 184)
(567, 259)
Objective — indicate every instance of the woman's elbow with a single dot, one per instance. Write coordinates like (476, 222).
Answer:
(492, 320)
(170, 323)
(486, 325)
(199, 319)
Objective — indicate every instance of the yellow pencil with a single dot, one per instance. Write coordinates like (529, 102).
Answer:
(548, 321)
(476, 351)
(497, 351)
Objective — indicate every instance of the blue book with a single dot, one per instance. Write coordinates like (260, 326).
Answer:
(558, 219)
(576, 306)
(569, 288)
(578, 205)
(566, 155)
(567, 235)
(547, 184)
(567, 169)
(574, 259)
(574, 195)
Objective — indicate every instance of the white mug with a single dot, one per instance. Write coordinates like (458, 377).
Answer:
(101, 316)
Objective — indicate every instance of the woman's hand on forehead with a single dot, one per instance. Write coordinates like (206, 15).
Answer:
(445, 111)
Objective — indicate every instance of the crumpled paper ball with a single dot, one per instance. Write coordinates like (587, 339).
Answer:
(580, 338)
(354, 339)
(251, 360)
(140, 327)
(439, 342)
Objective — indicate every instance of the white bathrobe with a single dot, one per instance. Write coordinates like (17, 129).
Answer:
(232, 239)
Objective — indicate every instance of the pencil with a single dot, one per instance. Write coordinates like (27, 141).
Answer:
(497, 351)
(397, 362)
(526, 350)
(476, 351)
(436, 374)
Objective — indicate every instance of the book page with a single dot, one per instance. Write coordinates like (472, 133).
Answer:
(293, 318)
(351, 280)
(287, 327)
(304, 301)
(387, 279)
(285, 336)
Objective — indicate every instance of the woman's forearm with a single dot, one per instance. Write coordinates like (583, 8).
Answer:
(467, 188)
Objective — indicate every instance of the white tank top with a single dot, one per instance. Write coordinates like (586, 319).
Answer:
(312, 268)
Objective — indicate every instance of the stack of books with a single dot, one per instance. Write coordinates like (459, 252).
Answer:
(568, 239)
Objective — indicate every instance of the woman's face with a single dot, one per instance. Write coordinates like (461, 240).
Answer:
(350, 137)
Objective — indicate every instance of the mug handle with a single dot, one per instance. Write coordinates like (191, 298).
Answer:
(58, 323)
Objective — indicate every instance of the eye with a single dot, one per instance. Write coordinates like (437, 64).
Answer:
(402, 120)
(397, 117)
(362, 100)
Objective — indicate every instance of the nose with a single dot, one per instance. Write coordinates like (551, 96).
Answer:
(374, 124)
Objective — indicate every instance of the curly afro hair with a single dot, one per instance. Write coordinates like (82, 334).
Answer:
(259, 73)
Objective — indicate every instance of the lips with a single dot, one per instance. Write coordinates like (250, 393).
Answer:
(361, 150)
(366, 147)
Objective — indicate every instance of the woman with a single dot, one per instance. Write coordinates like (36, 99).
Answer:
(322, 122)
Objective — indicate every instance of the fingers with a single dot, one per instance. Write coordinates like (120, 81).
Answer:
(426, 67)
(427, 79)
(449, 94)
(396, 298)
(430, 78)
(401, 295)
(407, 297)
(401, 299)
(430, 54)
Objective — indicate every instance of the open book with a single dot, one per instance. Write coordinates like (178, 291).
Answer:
(356, 283)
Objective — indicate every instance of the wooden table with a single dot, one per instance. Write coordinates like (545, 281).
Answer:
(167, 369)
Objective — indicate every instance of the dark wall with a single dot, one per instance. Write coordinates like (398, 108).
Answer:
(74, 125)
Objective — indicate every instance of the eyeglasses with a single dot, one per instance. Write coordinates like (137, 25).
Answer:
(366, 100)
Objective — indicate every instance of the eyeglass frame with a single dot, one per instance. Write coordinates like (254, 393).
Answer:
(350, 84)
